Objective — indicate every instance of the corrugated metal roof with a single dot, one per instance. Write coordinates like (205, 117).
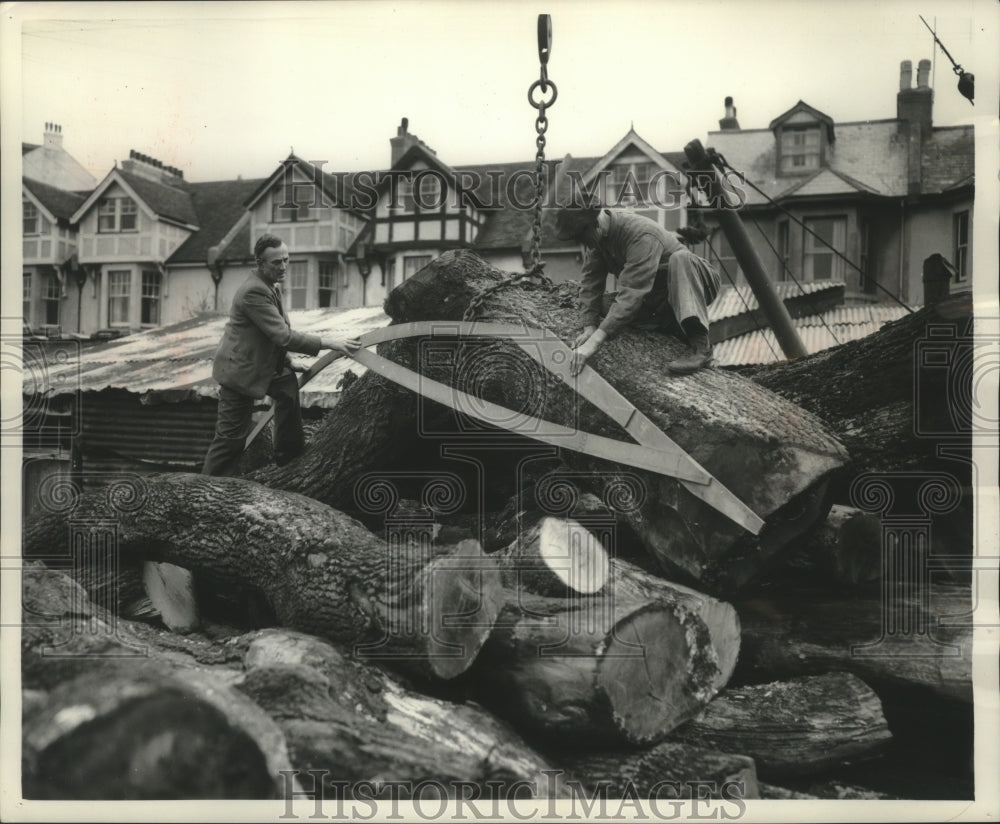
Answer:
(818, 332)
(177, 359)
(733, 301)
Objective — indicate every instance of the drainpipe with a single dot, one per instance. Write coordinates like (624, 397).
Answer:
(902, 246)
(725, 212)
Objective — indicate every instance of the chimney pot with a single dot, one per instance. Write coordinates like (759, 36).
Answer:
(923, 74)
(905, 75)
(729, 122)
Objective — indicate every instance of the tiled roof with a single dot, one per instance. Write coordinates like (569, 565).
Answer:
(217, 206)
(176, 360)
(949, 158)
(28, 147)
(870, 154)
(835, 326)
(169, 201)
(337, 188)
(731, 302)
(510, 227)
(58, 201)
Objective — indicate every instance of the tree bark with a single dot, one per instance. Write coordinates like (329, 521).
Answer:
(357, 724)
(671, 769)
(142, 731)
(772, 455)
(410, 605)
(555, 557)
(120, 710)
(916, 639)
(892, 407)
(796, 727)
(606, 669)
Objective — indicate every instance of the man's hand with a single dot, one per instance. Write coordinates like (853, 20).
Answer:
(582, 337)
(584, 350)
(343, 345)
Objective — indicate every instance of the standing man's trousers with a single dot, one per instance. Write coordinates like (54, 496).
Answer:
(232, 425)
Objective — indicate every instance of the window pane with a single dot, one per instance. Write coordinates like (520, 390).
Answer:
(149, 314)
(327, 283)
(128, 214)
(820, 260)
(106, 216)
(298, 281)
(30, 218)
(119, 285)
(53, 292)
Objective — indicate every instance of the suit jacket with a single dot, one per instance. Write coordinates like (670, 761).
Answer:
(256, 338)
(634, 248)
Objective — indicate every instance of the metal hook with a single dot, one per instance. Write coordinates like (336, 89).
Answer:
(544, 38)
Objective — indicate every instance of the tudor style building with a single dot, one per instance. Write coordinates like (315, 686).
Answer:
(858, 203)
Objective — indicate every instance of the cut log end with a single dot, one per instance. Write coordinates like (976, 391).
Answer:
(573, 554)
(643, 674)
(555, 557)
(457, 598)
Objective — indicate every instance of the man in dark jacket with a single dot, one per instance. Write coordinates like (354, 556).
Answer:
(251, 362)
(659, 280)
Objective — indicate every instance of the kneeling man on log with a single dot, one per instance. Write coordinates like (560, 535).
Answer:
(660, 282)
(252, 361)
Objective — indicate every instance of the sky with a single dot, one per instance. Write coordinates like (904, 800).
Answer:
(220, 90)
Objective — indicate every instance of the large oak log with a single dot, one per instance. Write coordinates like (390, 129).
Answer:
(355, 724)
(911, 638)
(618, 667)
(772, 455)
(795, 727)
(672, 769)
(891, 404)
(719, 617)
(119, 710)
(143, 731)
(555, 557)
(411, 605)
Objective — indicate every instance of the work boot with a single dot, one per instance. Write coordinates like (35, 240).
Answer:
(700, 354)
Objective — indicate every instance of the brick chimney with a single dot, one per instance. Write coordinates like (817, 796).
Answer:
(151, 168)
(401, 143)
(729, 122)
(915, 105)
(53, 136)
(914, 109)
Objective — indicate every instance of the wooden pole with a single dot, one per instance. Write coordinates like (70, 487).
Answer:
(739, 239)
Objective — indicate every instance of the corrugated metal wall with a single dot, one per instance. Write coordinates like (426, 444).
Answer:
(117, 424)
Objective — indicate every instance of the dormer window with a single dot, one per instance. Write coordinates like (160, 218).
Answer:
(117, 214)
(803, 136)
(801, 150)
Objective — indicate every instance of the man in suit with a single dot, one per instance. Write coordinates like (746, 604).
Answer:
(251, 362)
(660, 282)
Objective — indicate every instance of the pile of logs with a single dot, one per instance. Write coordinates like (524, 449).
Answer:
(457, 606)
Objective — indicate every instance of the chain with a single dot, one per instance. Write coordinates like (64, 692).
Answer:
(532, 274)
(536, 270)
